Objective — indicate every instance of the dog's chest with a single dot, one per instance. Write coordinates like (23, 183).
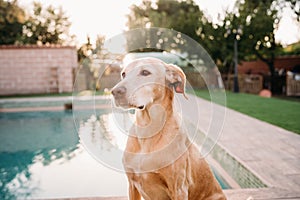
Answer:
(151, 186)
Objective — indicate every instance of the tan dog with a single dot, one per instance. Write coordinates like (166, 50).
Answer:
(160, 161)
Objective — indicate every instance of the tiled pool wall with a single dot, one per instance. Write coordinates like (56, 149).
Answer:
(34, 102)
(48, 102)
(243, 176)
(236, 170)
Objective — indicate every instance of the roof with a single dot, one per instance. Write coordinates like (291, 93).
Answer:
(260, 67)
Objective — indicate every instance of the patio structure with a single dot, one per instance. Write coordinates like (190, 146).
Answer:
(36, 69)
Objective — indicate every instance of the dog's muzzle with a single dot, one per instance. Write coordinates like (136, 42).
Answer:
(121, 100)
(119, 92)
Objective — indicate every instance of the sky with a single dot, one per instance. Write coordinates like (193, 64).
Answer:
(108, 17)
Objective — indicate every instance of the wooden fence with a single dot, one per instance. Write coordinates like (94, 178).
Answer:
(247, 83)
(293, 84)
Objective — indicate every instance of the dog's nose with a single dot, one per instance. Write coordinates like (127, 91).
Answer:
(119, 91)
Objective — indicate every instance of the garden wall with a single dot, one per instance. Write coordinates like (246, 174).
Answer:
(36, 69)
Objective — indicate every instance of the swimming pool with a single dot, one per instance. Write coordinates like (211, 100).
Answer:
(41, 157)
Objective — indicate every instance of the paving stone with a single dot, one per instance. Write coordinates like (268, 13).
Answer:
(271, 152)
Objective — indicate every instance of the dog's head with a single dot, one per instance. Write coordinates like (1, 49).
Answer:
(145, 81)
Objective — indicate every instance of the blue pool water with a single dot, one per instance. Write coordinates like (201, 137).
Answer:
(41, 157)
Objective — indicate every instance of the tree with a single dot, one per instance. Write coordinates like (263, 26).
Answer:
(215, 41)
(85, 51)
(99, 46)
(259, 20)
(43, 26)
(87, 55)
(12, 19)
(46, 26)
(183, 16)
(253, 24)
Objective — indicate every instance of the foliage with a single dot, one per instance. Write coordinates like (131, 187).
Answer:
(261, 16)
(87, 55)
(43, 26)
(46, 26)
(184, 17)
(252, 24)
(292, 49)
(12, 18)
(99, 47)
(85, 50)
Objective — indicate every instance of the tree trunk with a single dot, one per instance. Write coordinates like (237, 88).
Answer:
(270, 63)
(272, 75)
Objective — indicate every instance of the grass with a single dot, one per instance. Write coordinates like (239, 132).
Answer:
(279, 112)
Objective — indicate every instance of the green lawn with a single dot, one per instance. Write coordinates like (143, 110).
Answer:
(282, 113)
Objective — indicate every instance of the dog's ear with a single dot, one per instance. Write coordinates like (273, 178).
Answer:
(175, 78)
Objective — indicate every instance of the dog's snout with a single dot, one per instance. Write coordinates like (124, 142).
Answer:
(119, 91)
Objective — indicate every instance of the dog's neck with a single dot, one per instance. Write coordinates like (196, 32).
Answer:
(151, 121)
(157, 132)
(159, 110)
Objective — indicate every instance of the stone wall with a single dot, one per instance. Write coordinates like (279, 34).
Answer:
(36, 69)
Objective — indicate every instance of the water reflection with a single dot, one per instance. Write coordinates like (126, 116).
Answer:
(103, 132)
(41, 157)
(29, 138)
(104, 139)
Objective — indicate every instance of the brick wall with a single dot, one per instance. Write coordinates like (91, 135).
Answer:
(36, 69)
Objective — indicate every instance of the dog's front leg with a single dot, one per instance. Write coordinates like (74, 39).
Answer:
(181, 193)
(133, 192)
(181, 180)
(177, 184)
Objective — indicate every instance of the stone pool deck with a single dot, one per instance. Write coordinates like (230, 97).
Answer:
(269, 152)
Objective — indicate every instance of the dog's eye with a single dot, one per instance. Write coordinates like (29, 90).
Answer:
(123, 74)
(145, 73)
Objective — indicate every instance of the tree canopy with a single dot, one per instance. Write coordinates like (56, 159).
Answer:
(12, 19)
(42, 26)
(253, 24)
(184, 17)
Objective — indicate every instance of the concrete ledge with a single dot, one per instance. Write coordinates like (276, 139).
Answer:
(238, 194)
